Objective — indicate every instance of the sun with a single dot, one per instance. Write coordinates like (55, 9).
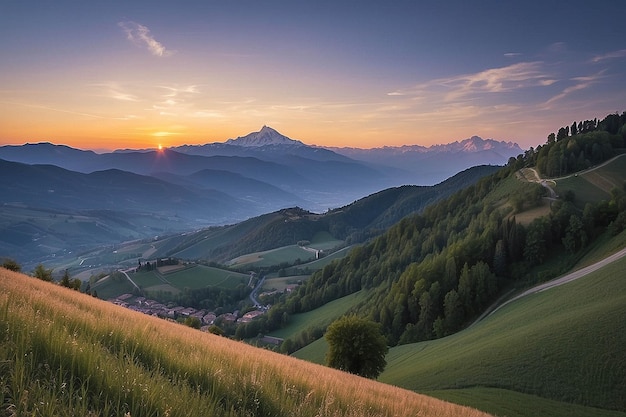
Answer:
(160, 147)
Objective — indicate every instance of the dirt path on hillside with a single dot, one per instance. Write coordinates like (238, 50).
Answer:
(531, 175)
(562, 280)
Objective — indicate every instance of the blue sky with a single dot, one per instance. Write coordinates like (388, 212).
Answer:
(107, 74)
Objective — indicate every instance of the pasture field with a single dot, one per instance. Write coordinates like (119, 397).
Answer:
(313, 352)
(319, 263)
(106, 288)
(201, 276)
(507, 187)
(515, 404)
(320, 317)
(64, 353)
(584, 191)
(564, 344)
(286, 254)
(194, 277)
(280, 283)
(556, 353)
(596, 184)
(325, 241)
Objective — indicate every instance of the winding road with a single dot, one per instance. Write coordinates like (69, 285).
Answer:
(572, 276)
(254, 292)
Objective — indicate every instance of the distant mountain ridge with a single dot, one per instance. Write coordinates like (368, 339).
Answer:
(434, 163)
(266, 136)
(470, 145)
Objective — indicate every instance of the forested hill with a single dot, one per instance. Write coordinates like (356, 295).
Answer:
(579, 146)
(432, 273)
(354, 223)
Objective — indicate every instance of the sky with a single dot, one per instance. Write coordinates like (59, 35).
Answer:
(135, 74)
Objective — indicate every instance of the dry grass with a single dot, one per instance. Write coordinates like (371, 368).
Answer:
(70, 354)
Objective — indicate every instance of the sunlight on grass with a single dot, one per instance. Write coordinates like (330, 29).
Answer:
(65, 353)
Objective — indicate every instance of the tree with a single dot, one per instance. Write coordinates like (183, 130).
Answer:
(42, 273)
(357, 346)
(11, 265)
(65, 281)
(192, 322)
(453, 310)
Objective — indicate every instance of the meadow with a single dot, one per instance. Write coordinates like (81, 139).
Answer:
(596, 184)
(325, 241)
(319, 263)
(555, 353)
(63, 353)
(320, 317)
(192, 277)
(286, 254)
(564, 344)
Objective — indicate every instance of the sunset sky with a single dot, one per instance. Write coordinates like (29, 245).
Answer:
(135, 74)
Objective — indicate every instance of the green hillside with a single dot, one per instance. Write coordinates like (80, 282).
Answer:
(433, 273)
(554, 353)
(565, 344)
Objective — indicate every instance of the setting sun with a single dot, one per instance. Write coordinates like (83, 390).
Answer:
(160, 147)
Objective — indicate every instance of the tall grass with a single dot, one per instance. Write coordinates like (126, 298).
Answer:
(66, 354)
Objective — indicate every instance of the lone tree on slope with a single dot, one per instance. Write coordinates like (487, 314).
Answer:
(356, 346)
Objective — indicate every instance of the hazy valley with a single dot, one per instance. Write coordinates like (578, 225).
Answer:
(55, 198)
(265, 240)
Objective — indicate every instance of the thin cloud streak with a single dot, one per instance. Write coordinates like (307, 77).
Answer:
(493, 80)
(140, 35)
(610, 55)
(581, 83)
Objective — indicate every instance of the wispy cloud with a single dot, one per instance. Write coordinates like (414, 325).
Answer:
(578, 83)
(175, 91)
(140, 35)
(490, 81)
(115, 91)
(610, 55)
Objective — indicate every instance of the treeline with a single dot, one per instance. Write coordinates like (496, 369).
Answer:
(432, 274)
(44, 274)
(579, 146)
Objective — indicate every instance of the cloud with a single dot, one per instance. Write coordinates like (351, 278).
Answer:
(176, 91)
(512, 54)
(610, 55)
(490, 81)
(115, 91)
(579, 83)
(140, 35)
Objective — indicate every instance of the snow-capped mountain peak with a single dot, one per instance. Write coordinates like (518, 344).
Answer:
(266, 136)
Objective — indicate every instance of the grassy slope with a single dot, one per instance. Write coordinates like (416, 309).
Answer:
(199, 276)
(596, 184)
(561, 346)
(564, 344)
(284, 254)
(64, 353)
(320, 317)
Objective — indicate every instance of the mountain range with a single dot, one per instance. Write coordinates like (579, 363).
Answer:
(318, 177)
(193, 186)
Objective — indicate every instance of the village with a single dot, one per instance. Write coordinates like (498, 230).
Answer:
(174, 312)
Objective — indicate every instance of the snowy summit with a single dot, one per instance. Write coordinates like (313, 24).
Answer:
(266, 136)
